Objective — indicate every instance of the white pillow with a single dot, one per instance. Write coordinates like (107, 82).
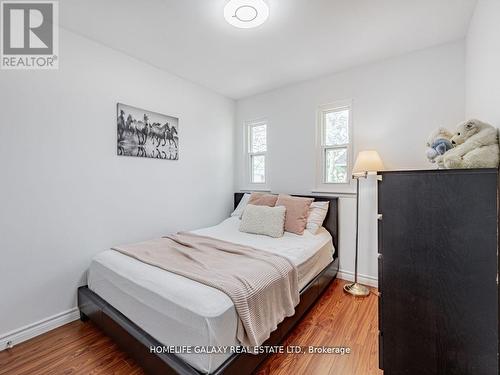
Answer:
(241, 206)
(317, 214)
(269, 221)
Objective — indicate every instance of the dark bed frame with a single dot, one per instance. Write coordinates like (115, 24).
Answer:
(137, 343)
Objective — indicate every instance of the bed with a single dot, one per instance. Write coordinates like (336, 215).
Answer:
(140, 305)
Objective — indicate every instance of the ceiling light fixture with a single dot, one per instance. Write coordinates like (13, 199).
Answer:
(246, 14)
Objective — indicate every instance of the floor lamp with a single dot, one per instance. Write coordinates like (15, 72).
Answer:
(366, 162)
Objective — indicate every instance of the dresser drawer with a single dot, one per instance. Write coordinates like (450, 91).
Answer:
(380, 351)
(380, 230)
(380, 290)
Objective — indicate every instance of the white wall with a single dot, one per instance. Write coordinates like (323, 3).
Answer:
(64, 193)
(396, 104)
(483, 63)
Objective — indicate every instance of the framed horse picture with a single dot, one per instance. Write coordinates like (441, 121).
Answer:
(146, 134)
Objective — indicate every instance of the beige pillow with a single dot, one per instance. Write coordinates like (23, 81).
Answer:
(317, 215)
(269, 221)
(263, 199)
(297, 211)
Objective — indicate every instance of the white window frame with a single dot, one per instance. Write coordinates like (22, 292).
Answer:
(321, 148)
(263, 186)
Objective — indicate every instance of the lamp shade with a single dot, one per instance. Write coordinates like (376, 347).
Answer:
(367, 161)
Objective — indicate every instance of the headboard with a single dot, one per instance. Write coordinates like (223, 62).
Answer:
(331, 222)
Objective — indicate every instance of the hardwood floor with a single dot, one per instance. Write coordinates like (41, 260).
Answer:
(336, 320)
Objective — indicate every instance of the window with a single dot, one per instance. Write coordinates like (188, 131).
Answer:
(335, 144)
(257, 148)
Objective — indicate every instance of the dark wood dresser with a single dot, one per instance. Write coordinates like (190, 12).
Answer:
(438, 272)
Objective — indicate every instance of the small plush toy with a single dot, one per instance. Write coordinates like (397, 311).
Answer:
(475, 146)
(438, 143)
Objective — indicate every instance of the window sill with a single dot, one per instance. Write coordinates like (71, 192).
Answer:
(335, 193)
(347, 189)
(250, 189)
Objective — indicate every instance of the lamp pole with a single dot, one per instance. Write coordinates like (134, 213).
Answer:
(356, 289)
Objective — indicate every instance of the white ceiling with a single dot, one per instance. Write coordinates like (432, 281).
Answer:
(302, 39)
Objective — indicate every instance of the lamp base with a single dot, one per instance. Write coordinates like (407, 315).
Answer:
(356, 290)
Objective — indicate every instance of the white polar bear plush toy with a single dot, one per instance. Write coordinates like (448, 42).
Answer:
(476, 146)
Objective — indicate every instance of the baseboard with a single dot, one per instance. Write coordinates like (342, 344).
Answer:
(362, 279)
(19, 335)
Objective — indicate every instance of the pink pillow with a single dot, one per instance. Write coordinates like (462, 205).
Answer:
(263, 199)
(297, 211)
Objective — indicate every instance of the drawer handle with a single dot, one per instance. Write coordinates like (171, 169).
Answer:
(379, 217)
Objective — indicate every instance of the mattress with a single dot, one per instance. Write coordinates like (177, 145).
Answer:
(178, 311)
